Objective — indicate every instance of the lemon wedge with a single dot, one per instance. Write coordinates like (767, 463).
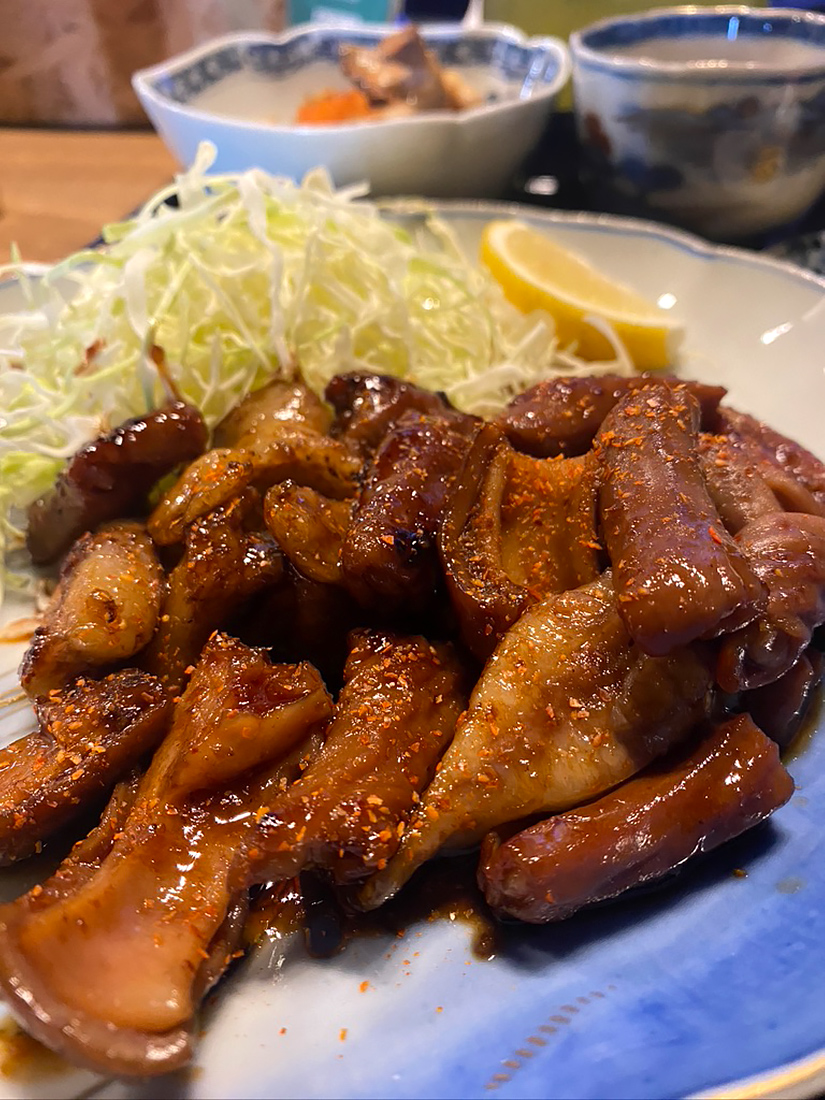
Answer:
(536, 273)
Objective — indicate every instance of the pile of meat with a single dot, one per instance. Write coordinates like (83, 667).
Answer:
(359, 632)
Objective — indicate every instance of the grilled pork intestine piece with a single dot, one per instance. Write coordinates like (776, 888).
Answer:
(781, 707)
(218, 476)
(567, 707)
(395, 716)
(368, 405)
(108, 966)
(515, 529)
(111, 477)
(103, 611)
(223, 565)
(561, 416)
(787, 551)
(309, 528)
(389, 557)
(90, 734)
(678, 574)
(262, 413)
(792, 472)
(729, 782)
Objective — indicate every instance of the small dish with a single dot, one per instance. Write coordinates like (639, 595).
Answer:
(242, 92)
(710, 118)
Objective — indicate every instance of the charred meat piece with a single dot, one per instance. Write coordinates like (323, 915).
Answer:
(103, 611)
(223, 566)
(678, 574)
(108, 960)
(309, 528)
(637, 833)
(368, 405)
(734, 480)
(780, 708)
(395, 716)
(110, 477)
(217, 477)
(90, 735)
(802, 488)
(260, 415)
(389, 558)
(515, 530)
(787, 551)
(562, 415)
(567, 707)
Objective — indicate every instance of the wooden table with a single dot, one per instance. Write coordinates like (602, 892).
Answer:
(57, 188)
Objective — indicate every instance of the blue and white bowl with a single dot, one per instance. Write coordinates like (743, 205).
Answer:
(242, 92)
(710, 118)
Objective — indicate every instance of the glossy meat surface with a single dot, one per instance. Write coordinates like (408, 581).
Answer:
(787, 551)
(223, 565)
(789, 468)
(110, 477)
(104, 610)
(219, 476)
(395, 716)
(389, 556)
(90, 735)
(109, 965)
(566, 708)
(562, 415)
(259, 416)
(733, 476)
(678, 573)
(731, 781)
(515, 530)
(367, 406)
(309, 528)
(781, 707)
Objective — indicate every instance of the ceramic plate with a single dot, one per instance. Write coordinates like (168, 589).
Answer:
(715, 978)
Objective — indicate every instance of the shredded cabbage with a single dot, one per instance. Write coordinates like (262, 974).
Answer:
(250, 275)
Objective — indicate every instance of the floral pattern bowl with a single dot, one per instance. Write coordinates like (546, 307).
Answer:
(709, 118)
(242, 93)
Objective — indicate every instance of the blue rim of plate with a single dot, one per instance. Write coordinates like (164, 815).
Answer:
(805, 1076)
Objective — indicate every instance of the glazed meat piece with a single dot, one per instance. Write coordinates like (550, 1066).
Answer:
(223, 566)
(389, 557)
(678, 574)
(103, 611)
(562, 415)
(637, 833)
(90, 734)
(304, 620)
(110, 477)
(218, 476)
(368, 405)
(258, 418)
(395, 716)
(780, 708)
(309, 528)
(567, 707)
(795, 475)
(515, 530)
(734, 480)
(787, 551)
(108, 960)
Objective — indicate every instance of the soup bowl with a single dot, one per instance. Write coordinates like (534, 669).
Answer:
(708, 118)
